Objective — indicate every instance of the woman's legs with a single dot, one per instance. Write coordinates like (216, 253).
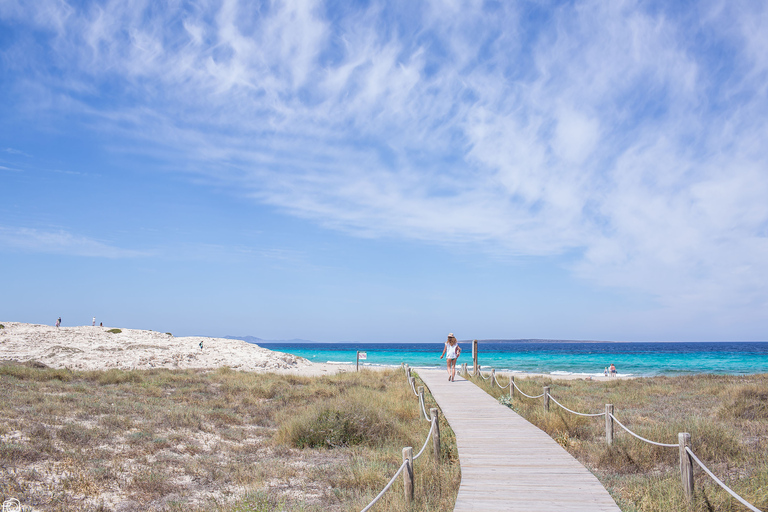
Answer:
(451, 368)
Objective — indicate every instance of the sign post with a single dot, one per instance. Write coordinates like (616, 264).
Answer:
(360, 355)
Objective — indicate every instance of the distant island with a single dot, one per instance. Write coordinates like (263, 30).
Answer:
(539, 341)
(255, 340)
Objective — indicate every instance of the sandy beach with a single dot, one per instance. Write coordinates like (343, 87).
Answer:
(95, 348)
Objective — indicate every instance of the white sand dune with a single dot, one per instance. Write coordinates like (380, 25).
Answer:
(94, 348)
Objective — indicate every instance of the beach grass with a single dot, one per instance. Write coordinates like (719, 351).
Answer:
(222, 440)
(727, 417)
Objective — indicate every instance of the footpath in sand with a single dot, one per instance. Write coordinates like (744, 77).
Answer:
(95, 348)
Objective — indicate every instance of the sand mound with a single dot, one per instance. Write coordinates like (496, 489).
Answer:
(94, 348)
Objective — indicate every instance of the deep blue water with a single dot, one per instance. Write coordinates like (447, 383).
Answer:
(630, 358)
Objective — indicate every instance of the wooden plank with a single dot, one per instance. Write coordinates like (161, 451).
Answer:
(506, 462)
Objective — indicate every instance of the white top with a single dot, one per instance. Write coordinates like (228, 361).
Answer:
(450, 350)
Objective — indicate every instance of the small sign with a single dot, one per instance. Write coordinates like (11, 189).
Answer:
(362, 355)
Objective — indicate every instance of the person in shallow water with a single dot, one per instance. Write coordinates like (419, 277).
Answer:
(613, 370)
(451, 350)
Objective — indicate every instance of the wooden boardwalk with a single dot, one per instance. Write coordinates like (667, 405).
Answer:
(506, 462)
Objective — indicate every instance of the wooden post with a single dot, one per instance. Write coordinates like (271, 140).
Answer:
(493, 376)
(546, 398)
(511, 386)
(408, 473)
(436, 435)
(608, 424)
(408, 371)
(412, 382)
(474, 356)
(420, 391)
(464, 369)
(357, 364)
(686, 464)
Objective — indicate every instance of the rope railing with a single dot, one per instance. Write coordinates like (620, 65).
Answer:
(402, 466)
(641, 437)
(720, 483)
(684, 441)
(411, 458)
(574, 412)
(423, 409)
(527, 396)
(429, 435)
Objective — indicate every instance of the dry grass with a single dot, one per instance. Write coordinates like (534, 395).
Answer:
(222, 440)
(727, 417)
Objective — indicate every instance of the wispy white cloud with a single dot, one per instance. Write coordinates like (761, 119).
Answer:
(60, 242)
(624, 132)
(13, 151)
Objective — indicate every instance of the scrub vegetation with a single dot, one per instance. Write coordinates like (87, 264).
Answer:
(193, 441)
(727, 417)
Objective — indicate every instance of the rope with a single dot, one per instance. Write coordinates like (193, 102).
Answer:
(574, 412)
(497, 382)
(642, 438)
(413, 387)
(742, 500)
(527, 396)
(402, 466)
(431, 429)
(484, 378)
(423, 409)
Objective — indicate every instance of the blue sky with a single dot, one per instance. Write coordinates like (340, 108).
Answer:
(387, 171)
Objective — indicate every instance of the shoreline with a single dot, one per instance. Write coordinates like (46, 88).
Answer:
(318, 369)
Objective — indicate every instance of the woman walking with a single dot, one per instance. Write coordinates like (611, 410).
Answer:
(451, 350)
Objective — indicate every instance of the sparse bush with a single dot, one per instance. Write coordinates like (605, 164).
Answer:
(115, 376)
(2, 326)
(337, 424)
(11, 453)
(750, 403)
(31, 371)
(115, 331)
(75, 434)
(152, 483)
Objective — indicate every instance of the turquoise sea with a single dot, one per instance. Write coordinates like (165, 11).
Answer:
(556, 358)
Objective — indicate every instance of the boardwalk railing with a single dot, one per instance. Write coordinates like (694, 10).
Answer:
(406, 468)
(684, 439)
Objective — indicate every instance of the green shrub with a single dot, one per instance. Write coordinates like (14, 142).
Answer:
(115, 376)
(75, 434)
(749, 403)
(2, 326)
(337, 423)
(169, 334)
(115, 331)
(31, 371)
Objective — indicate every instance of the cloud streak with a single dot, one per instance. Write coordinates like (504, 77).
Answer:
(605, 130)
(60, 242)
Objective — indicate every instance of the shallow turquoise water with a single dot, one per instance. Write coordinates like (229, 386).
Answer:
(636, 359)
